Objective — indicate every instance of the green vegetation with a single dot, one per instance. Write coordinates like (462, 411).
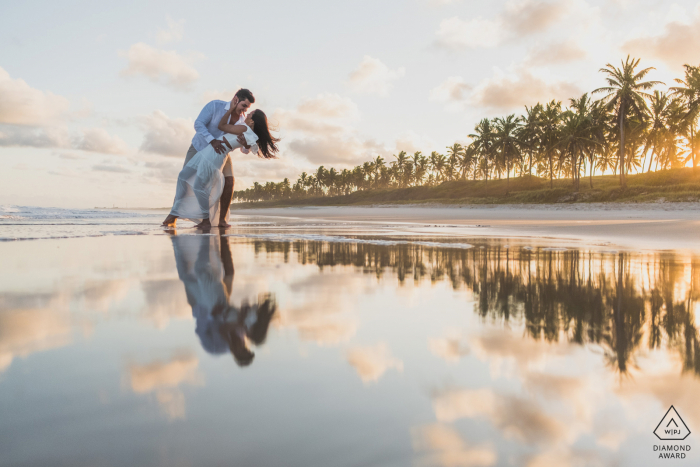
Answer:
(644, 139)
(682, 184)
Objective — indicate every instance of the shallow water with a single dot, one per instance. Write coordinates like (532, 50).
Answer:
(298, 345)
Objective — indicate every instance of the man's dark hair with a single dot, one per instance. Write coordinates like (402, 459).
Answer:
(244, 94)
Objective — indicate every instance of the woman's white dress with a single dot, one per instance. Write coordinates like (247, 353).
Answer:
(201, 182)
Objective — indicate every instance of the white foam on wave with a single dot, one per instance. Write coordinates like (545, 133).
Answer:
(339, 239)
(77, 235)
(35, 213)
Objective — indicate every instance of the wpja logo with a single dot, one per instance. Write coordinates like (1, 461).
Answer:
(672, 428)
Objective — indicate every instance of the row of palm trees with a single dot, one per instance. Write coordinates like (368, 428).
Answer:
(631, 128)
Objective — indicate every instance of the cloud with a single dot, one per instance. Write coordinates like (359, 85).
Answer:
(327, 151)
(164, 379)
(71, 156)
(516, 417)
(321, 130)
(374, 77)
(213, 95)
(411, 142)
(169, 374)
(323, 320)
(165, 298)
(323, 115)
(110, 168)
(453, 91)
(20, 104)
(32, 323)
(448, 449)
(167, 136)
(518, 89)
(24, 136)
(455, 33)
(519, 19)
(160, 66)
(531, 16)
(173, 33)
(372, 362)
(450, 349)
(98, 140)
(559, 52)
(675, 46)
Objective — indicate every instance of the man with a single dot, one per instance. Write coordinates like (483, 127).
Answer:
(207, 130)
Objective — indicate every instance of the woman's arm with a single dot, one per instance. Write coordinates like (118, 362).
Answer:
(237, 130)
(227, 127)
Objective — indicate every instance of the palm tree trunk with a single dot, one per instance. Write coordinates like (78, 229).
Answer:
(692, 142)
(507, 175)
(651, 157)
(551, 171)
(591, 177)
(646, 147)
(623, 182)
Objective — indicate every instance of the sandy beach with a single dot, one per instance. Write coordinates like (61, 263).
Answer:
(397, 327)
(659, 226)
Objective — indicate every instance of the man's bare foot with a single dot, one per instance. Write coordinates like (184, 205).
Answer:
(205, 224)
(170, 221)
(224, 224)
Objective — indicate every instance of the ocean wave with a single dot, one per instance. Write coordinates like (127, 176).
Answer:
(76, 235)
(32, 213)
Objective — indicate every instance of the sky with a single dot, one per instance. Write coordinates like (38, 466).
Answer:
(98, 99)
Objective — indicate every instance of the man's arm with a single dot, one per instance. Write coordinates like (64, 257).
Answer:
(200, 124)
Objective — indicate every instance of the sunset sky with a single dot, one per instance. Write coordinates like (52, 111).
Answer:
(97, 99)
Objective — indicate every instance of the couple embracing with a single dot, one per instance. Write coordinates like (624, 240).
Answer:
(205, 183)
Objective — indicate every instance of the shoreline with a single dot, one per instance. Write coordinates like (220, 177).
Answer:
(657, 226)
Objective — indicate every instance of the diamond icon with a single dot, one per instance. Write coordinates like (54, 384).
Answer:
(671, 427)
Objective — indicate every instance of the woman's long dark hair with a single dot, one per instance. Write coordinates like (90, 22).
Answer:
(267, 144)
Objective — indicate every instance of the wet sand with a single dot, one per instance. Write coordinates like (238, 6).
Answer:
(307, 341)
(658, 226)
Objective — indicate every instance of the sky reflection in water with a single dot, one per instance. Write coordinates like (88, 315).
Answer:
(211, 350)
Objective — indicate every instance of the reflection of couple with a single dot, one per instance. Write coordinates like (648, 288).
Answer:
(205, 266)
(205, 183)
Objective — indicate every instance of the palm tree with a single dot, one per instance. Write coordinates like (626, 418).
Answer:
(625, 95)
(421, 167)
(530, 130)
(507, 142)
(367, 171)
(467, 160)
(689, 93)
(433, 163)
(415, 160)
(453, 155)
(483, 142)
(550, 117)
(321, 177)
(378, 164)
(401, 160)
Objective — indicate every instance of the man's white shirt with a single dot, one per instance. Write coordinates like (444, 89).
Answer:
(207, 124)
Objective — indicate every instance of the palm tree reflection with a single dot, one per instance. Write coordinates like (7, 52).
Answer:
(620, 301)
(205, 267)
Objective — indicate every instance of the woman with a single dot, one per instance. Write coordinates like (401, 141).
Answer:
(201, 182)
